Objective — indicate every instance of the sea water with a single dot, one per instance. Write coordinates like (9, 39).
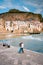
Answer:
(32, 42)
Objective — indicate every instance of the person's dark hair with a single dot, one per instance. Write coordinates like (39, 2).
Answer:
(20, 44)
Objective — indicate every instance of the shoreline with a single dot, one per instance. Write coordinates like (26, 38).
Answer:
(12, 35)
(34, 52)
(24, 49)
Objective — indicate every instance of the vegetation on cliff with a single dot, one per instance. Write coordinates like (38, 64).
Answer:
(42, 20)
(26, 15)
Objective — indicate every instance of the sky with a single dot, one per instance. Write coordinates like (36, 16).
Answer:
(35, 6)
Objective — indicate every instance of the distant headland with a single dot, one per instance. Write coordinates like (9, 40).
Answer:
(21, 22)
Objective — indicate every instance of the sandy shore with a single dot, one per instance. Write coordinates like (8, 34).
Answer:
(10, 56)
(10, 35)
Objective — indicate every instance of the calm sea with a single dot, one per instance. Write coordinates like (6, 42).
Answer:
(31, 42)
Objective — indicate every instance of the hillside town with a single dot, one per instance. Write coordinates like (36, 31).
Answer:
(20, 26)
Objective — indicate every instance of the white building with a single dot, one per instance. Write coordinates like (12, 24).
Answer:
(9, 26)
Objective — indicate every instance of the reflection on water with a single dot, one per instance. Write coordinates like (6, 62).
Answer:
(32, 42)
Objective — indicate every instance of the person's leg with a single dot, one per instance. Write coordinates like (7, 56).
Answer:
(20, 50)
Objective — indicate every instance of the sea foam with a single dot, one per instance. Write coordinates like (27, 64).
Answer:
(32, 37)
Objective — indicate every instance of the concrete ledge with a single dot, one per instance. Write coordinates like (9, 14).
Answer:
(10, 56)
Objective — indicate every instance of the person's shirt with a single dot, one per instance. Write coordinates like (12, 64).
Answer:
(22, 45)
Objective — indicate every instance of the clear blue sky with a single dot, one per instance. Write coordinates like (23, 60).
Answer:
(35, 6)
